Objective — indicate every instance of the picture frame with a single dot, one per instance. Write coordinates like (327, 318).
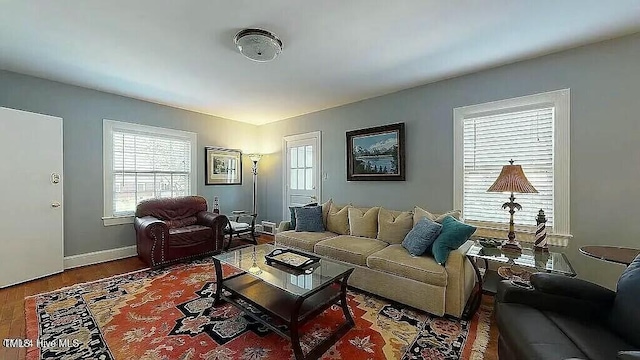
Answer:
(222, 166)
(376, 154)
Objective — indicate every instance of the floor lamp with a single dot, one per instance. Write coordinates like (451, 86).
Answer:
(254, 169)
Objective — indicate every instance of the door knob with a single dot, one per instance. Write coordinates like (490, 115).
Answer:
(313, 197)
(55, 205)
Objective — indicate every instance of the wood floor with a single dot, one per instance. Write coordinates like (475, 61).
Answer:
(12, 317)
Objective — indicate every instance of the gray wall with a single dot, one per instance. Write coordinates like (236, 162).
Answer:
(82, 111)
(604, 79)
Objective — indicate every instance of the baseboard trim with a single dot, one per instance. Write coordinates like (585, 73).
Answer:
(97, 257)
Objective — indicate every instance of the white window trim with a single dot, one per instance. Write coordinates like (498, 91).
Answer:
(560, 100)
(108, 126)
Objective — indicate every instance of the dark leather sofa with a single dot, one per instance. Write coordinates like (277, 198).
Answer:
(169, 230)
(568, 318)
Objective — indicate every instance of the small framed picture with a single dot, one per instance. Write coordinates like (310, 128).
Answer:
(222, 166)
(376, 154)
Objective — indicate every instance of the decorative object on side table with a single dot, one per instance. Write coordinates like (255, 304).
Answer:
(222, 166)
(216, 205)
(376, 154)
(541, 233)
(513, 180)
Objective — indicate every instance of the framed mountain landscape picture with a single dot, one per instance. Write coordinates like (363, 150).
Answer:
(376, 154)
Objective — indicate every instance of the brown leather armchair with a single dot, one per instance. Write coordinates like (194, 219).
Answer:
(170, 230)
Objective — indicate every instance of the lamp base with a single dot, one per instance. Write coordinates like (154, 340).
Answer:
(544, 249)
(512, 246)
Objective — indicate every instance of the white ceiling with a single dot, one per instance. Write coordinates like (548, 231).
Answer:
(181, 53)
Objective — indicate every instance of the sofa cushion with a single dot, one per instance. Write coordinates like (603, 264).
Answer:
(363, 222)
(189, 235)
(396, 260)
(351, 249)
(454, 233)
(532, 335)
(309, 218)
(595, 341)
(302, 240)
(419, 213)
(393, 226)
(338, 219)
(421, 237)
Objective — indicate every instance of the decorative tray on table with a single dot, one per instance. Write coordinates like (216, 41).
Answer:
(291, 258)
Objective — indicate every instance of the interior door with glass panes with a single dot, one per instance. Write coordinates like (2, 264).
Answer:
(302, 178)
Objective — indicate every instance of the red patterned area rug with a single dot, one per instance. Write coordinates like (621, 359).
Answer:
(169, 314)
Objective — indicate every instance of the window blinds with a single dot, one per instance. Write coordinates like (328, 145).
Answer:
(490, 141)
(148, 166)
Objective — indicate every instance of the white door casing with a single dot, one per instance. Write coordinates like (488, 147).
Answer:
(31, 184)
(302, 165)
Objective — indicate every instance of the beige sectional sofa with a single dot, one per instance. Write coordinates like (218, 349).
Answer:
(370, 240)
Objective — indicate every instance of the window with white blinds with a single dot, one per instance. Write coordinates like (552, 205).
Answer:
(533, 131)
(489, 143)
(143, 162)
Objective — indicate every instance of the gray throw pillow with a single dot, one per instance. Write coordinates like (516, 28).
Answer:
(421, 237)
(292, 209)
(309, 219)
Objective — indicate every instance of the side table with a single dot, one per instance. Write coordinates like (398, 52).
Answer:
(551, 262)
(615, 254)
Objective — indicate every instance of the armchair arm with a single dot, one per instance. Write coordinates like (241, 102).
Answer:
(284, 226)
(151, 238)
(576, 307)
(573, 288)
(628, 355)
(217, 223)
(148, 225)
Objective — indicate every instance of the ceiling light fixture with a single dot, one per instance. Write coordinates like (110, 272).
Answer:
(258, 45)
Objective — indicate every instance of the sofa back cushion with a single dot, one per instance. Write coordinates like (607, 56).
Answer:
(325, 211)
(393, 226)
(180, 223)
(363, 222)
(309, 218)
(419, 213)
(338, 219)
(625, 314)
(172, 208)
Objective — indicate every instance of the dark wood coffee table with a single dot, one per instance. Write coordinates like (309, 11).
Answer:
(616, 254)
(294, 297)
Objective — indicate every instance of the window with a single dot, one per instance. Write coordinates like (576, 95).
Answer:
(301, 168)
(142, 162)
(534, 132)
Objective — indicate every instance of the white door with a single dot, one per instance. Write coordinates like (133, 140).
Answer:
(302, 165)
(31, 240)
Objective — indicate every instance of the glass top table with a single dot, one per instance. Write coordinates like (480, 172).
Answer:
(552, 262)
(252, 261)
(291, 296)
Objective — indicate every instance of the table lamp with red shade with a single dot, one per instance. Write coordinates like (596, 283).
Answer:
(512, 180)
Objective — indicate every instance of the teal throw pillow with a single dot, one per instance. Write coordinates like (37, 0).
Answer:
(309, 219)
(421, 237)
(292, 210)
(454, 233)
